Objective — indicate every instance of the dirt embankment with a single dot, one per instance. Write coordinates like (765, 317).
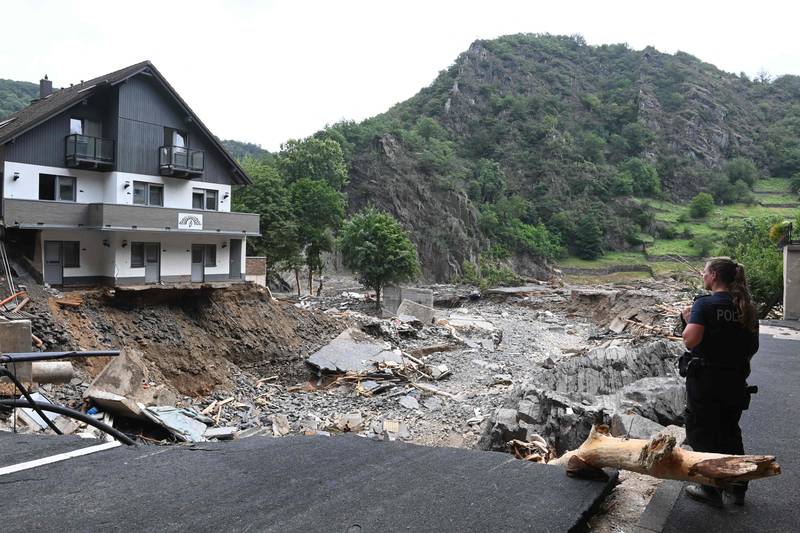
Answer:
(192, 338)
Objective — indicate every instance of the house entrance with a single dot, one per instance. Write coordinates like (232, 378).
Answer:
(53, 263)
(235, 260)
(198, 270)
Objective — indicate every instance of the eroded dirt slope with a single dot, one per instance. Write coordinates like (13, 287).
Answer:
(192, 337)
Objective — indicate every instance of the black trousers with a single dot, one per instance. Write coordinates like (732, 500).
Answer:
(715, 400)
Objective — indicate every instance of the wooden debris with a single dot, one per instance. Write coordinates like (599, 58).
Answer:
(37, 341)
(72, 301)
(660, 457)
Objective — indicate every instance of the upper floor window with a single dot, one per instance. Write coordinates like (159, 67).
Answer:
(173, 137)
(61, 188)
(75, 126)
(204, 199)
(84, 126)
(148, 193)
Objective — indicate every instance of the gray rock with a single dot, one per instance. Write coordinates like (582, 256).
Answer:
(409, 402)
(634, 426)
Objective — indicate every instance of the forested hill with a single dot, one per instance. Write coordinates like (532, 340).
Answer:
(14, 95)
(529, 144)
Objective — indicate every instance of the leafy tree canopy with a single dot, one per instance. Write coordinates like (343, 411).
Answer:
(377, 248)
(315, 158)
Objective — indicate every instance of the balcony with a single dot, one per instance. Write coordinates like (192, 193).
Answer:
(41, 214)
(178, 161)
(87, 152)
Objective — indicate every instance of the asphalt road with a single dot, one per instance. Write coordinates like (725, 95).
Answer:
(769, 427)
(346, 484)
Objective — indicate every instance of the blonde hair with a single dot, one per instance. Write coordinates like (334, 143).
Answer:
(732, 274)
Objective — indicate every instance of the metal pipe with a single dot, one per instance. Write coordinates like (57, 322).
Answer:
(22, 357)
(51, 372)
(77, 415)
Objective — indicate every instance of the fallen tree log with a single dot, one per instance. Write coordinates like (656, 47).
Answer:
(660, 457)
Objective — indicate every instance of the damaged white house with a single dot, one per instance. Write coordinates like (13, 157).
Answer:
(116, 181)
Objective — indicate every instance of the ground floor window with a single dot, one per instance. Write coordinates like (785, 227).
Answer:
(72, 254)
(210, 255)
(137, 254)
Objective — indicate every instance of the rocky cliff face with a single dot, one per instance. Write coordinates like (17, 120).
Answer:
(444, 221)
(561, 119)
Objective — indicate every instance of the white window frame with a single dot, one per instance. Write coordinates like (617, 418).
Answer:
(147, 186)
(205, 199)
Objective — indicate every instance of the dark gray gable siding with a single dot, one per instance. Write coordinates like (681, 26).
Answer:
(145, 109)
(45, 145)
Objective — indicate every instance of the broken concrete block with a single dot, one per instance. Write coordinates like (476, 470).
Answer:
(124, 383)
(438, 372)
(423, 313)
(177, 421)
(280, 425)
(350, 423)
(635, 426)
(409, 402)
(353, 351)
(395, 429)
(393, 296)
(223, 433)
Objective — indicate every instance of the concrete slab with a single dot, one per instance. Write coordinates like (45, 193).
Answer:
(423, 313)
(353, 350)
(298, 484)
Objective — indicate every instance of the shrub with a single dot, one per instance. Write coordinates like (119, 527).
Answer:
(701, 205)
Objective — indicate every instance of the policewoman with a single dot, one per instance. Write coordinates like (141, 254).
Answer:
(721, 335)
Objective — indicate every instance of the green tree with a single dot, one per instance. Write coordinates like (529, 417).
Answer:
(643, 176)
(750, 244)
(588, 240)
(316, 159)
(489, 182)
(319, 210)
(742, 169)
(270, 198)
(701, 205)
(376, 247)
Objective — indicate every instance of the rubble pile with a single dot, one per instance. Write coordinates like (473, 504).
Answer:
(498, 367)
(562, 404)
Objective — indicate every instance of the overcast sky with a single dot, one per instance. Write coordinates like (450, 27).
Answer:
(265, 72)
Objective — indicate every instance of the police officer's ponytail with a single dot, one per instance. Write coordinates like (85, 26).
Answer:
(732, 274)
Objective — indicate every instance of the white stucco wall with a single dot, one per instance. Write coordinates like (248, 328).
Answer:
(94, 257)
(107, 187)
(176, 253)
(91, 185)
(112, 260)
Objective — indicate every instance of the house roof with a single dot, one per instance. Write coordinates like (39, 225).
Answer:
(60, 100)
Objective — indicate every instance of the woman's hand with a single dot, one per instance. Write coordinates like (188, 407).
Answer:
(686, 313)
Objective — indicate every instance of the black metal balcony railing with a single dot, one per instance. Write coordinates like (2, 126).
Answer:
(82, 150)
(180, 160)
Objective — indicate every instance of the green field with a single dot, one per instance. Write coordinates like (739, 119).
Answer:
(770, 191)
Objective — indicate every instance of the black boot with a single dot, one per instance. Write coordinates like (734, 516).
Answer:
(705, 494)
(735, 493)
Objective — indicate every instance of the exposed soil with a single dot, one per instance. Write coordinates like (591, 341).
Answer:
(193, 338)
